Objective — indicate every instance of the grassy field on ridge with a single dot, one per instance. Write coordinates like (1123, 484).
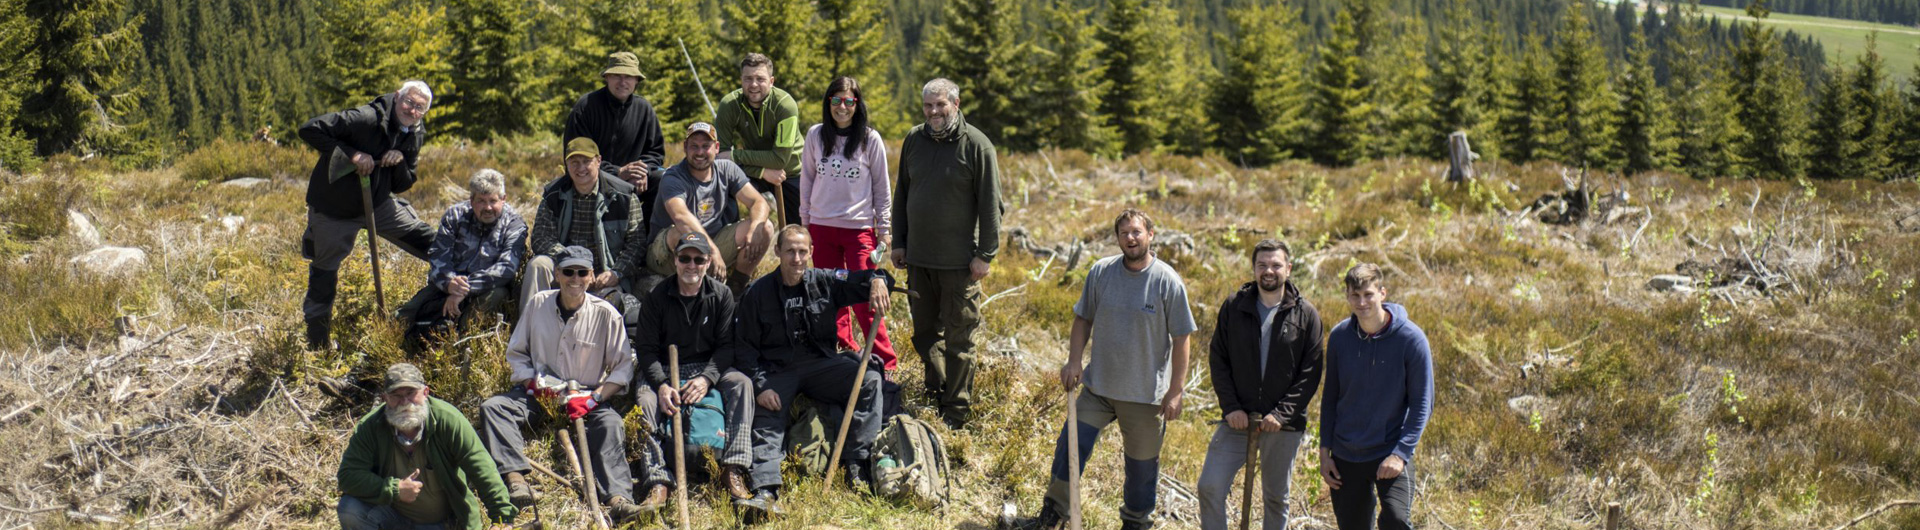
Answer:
(1563, 382)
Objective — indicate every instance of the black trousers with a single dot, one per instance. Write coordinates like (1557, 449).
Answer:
(1354, 502)
(826, 380)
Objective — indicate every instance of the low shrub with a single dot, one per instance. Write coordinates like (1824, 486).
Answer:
(225, 160)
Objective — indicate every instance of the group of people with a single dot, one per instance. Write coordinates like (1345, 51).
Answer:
(1129, 349)
(629, 261)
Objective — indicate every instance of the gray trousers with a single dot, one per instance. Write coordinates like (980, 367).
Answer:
(328, 240)
(1227, 455)
(356, 514)
(503, 416)
(827, 380)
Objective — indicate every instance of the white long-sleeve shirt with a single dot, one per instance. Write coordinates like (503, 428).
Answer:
(589, 348)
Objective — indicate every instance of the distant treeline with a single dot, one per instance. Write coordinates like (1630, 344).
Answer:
(1903, 12)
(1334, 81)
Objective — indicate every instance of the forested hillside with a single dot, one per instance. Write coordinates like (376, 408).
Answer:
(141, 81)
(1889, 11)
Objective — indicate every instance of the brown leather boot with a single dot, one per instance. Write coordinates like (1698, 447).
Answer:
(735, 477)
(656, 498)
(518, 491)
(623, 511)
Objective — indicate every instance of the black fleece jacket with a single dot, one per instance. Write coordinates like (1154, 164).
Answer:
(1293, 367)
(701, 326)
(370, 129)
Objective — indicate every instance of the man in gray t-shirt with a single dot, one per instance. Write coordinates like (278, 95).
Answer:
(1134, 308)
(697, 196)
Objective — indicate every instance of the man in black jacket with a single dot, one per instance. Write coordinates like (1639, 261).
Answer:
(382, 139)
(787, 340)
(695, 313)
(623, 124)
(1265, 358)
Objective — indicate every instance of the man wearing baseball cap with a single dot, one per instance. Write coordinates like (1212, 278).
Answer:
(571, 350)
(695, 314)
(591, 210)
(415, 462)
(623, 124)
(698, 196)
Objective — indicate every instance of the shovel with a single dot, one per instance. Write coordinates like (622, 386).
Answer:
(679, 437)
(1253, 463)
(1073, 458)
(859, 379)
(340, 166)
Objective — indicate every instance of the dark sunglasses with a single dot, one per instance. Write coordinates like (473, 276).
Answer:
(696, 260)
(576, 272)
(845, 102)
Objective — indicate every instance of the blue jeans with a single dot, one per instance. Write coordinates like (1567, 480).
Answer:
(356, 514)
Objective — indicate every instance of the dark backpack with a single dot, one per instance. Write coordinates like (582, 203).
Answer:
(809, 440)
(918, 472)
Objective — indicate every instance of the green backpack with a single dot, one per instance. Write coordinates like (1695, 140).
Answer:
(910, 462)
(809, 440)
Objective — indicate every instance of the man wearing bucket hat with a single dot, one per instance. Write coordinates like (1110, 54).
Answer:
(415, 462)
(622, 122)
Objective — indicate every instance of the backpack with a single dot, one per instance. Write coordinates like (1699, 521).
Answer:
(705, 421)
(919, 472)
(809, 440)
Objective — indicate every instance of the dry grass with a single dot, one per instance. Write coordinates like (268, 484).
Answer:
(1727, 408)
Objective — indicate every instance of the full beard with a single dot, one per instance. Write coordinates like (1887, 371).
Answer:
(1135, 255)
(1269, 284)
(407, 417)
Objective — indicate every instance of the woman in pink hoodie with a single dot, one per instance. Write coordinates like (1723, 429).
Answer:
(846, 198)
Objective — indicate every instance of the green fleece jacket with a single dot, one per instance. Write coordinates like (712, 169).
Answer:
(765, 138)
(946, 199)
(454, 452)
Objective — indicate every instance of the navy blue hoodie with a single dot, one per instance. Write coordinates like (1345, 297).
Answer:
(1379, 389)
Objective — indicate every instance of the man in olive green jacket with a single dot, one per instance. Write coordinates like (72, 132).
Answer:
(760, 130)
(381, 474)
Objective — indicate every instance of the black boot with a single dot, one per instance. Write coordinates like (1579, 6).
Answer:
(858, 475)
(1048, 519)
(319, 334)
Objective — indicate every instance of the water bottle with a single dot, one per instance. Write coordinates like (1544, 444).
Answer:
(886, 462)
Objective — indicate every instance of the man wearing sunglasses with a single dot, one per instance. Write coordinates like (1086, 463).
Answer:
(694, 313)
(570, 350)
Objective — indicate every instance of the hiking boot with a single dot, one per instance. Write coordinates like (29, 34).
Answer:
(656, 498)
(858, 475)
(319, 335)
(336, 388)
(623, 511)
(1049, 519)
(1136, 525)
(735, 477)
(518, 492)
(766, 502)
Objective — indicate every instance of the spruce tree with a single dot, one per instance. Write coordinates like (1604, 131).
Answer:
(1181, 89)
(1341, 104)
(1132, 49)
(1526, 109)
(1905, 142)
(1646, 139)
(1460, 82)
(1768, 102)
(1260, 101)
(856, 43)
(1583, 104)
(1871, 102)
(1702, 107)
(1402, 90)
(654, 34)
(1065, 104)
(84, 93)
(976, 47)
(1831, 135)
(16, 55)
(784, 31)
(374, 45)
(488, 67)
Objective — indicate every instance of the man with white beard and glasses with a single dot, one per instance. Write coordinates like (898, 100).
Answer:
(415, 462)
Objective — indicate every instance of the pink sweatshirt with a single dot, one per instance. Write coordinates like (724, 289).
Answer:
(845, 193)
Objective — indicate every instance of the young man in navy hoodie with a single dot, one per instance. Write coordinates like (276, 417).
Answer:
(1378, 396)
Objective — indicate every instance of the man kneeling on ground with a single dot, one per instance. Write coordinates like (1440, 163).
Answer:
(415, 463)
(566, 344)
(786, 335)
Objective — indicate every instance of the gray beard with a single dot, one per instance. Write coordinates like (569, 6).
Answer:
(407, 417)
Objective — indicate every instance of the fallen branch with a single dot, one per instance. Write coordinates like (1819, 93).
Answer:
(1876, 511)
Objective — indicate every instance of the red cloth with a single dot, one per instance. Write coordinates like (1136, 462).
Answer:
(578, 406)
(847, 248)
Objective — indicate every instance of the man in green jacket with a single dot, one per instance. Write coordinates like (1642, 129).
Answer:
(416, 463)
(946, 231)
(760, 130)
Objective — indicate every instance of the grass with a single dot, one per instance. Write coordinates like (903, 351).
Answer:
(1845, 39)
(1630, 384)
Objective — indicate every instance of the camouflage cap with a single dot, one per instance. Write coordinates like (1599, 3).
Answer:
(403, 375)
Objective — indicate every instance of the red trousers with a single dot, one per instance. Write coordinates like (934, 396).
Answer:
(848, 248)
